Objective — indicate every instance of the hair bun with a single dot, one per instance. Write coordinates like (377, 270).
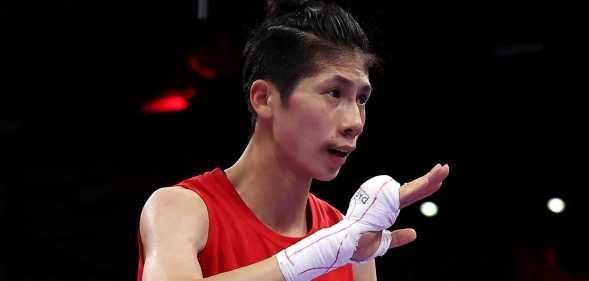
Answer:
(276, 8)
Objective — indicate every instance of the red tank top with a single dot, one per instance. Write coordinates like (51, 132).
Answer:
(237, 238)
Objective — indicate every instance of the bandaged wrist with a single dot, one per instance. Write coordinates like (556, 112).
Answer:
(374, 207)
(324, 251)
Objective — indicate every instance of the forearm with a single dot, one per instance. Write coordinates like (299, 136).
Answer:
(365, 271)
(267, 269)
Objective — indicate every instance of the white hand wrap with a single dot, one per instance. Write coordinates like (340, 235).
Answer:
(374, 207)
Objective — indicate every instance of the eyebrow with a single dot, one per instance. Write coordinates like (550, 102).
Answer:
(344, 80)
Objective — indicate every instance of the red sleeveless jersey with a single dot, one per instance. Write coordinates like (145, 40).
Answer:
(237, 238)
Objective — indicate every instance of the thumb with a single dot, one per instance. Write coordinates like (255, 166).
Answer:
(401, 237)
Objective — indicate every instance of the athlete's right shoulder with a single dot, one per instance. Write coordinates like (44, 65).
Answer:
(175, 210)
(175, 197)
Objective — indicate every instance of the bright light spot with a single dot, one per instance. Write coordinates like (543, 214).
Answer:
(429, 209)
(556, 205)
(173, 103)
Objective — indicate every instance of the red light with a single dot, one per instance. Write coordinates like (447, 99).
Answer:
(200, 69)
(173, 103)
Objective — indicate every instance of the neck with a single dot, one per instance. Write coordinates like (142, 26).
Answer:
(272, 190)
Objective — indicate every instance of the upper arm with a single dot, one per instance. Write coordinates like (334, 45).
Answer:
(365, 271)
(174, 228)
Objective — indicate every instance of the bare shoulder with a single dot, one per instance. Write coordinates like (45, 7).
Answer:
(174, 212)
(174, 197)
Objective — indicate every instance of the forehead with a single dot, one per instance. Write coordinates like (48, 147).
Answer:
(349, 66)
(344, 68)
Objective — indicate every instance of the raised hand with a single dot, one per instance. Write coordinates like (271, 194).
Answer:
(409, 193)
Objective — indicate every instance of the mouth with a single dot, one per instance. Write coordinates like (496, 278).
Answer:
(337, 152)
(340, 151)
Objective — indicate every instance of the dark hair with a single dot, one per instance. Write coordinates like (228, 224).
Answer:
(294, 38)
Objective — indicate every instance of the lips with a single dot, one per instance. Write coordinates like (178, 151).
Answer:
(337, 152)
(341, 150)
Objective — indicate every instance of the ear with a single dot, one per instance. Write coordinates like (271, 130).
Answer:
(261, 96)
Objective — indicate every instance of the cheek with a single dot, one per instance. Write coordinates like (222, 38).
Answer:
(315, 122)
(304, 129)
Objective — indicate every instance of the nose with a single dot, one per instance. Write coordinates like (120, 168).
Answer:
(353, 121)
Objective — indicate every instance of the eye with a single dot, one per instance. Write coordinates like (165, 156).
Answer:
(362, 99)
(334, 93)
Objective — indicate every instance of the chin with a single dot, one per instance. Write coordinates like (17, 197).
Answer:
(327, 175)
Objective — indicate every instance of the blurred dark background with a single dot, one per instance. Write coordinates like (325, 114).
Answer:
(494, 90)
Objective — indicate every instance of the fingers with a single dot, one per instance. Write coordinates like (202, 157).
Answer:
(402, 237)
(372, 244)
(438, 173)
(424, 186)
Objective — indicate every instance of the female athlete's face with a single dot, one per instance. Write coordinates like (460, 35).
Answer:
(325, 115)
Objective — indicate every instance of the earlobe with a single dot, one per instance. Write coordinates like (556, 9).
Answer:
(260, 96)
